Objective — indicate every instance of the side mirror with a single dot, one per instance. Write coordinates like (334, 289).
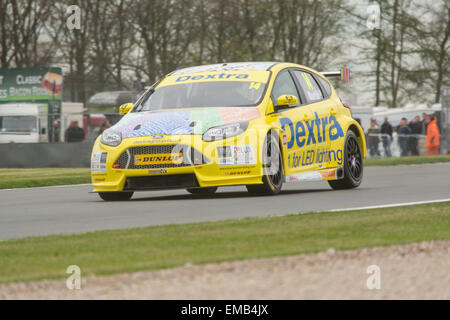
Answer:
(125, 108)
(286, 100)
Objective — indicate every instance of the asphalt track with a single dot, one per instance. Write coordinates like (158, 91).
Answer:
(72, 209)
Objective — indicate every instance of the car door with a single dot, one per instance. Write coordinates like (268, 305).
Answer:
(297, 145)
(321, 108)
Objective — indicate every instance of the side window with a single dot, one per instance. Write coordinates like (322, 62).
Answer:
(309, 86)
(284, 85)
(325, 85)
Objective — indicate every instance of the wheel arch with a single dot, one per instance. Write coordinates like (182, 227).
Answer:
(283, 149)
(358, 131)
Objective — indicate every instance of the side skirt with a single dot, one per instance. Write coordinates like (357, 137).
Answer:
(317, 175)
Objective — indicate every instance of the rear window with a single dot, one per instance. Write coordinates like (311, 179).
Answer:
(325, 85)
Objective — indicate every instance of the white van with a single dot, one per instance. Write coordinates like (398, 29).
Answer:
(23, 123)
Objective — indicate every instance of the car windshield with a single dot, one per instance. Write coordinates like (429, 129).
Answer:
(203, 94)
(23, 124)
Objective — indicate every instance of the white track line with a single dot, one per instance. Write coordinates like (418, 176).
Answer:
(391, 205)
(48, 187)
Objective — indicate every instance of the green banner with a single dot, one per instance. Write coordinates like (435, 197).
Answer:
(35, 84)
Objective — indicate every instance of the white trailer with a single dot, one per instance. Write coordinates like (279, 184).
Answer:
(23, 123)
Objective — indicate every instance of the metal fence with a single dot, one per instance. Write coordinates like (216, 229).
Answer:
(382, 145)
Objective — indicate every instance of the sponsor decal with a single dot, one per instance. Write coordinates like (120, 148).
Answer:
(328, 174)
(224, 152)
(327, 129)
(160, 158)
(157, 136)
(237, 173)
(98, 161)
(179, 122)
(254, 85)
(35, 83)
(233, 66)
(236, 155)
(305, 176)
(256, 77)
(157, 171)
(219, 76)
(234, 168)
(157, 142)
(309, 157)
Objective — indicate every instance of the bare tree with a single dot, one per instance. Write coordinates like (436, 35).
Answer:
(307, 30)
(433, 44)
(21, 25)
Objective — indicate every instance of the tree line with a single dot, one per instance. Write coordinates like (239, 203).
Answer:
(119, 41)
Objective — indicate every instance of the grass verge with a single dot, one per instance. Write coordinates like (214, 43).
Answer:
(156, 247)
(406, 160)
(21, 178)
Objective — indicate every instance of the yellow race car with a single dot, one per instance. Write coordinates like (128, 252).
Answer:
(258, 124)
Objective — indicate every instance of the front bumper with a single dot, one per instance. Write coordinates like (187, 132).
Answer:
(205, 167)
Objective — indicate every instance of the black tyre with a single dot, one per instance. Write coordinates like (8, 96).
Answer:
(203, 191)
(115, 196)
(272, 168)
(353, 164)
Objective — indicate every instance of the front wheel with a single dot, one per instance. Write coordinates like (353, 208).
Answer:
(115, 196)
(353, 164)
(272, 168)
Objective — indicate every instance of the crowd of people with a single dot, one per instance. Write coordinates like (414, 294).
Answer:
(408, 136)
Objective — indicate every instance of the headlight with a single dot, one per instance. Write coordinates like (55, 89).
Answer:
(225, 131)
(111, 138)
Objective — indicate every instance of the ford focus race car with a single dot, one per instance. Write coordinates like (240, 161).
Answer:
(258, 124)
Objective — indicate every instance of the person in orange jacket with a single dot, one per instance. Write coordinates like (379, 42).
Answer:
(432, 140)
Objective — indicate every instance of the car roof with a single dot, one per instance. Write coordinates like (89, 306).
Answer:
(232, 66)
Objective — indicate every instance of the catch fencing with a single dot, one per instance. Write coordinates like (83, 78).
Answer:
(382, 145)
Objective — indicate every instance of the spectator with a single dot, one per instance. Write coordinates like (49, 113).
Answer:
(386, 137)
(105, 125)
(403, 136)
(416, 130)
(424, 123)
(74, 133)
(56, 131)
(432, 140)
(373, 138)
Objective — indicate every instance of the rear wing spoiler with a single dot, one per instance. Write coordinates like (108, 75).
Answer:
(344, 73)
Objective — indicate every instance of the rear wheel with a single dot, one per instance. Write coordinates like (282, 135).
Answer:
(203, 191)
(115, 196)
(272, 168)
(353, 164)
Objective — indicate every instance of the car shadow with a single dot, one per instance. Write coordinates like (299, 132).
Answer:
(226, 195)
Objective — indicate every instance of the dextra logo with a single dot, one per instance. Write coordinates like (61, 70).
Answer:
(304, 133)
(213, 77)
